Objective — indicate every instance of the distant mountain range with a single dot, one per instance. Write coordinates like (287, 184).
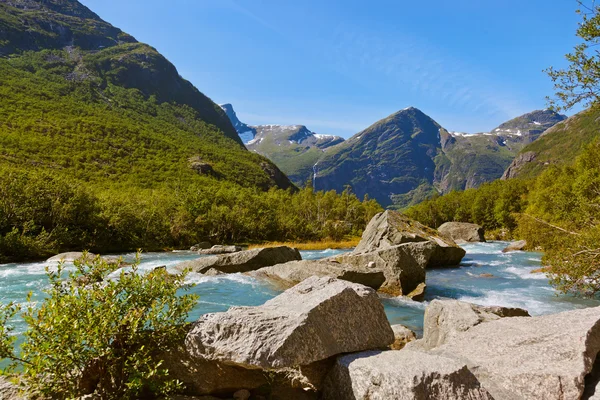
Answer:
(399, 160)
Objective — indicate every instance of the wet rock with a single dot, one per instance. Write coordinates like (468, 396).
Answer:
(243, 261)
(314, 320)
(463, 232)
(402, 375)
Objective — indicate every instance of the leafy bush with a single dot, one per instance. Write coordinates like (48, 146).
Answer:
(95, 333)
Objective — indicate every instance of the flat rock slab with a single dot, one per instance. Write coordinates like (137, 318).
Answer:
(527, 358)
(314, 320)
(401, 375)
(294, 272)
(243, 261)
(220, 249)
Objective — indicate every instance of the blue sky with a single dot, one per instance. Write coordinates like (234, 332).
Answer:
(338, 66)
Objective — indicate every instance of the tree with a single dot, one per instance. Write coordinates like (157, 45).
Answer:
(99, 334)
(580, 82)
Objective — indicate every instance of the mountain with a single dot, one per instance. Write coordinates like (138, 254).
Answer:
(560, 144)
(82, 99)
(245, 132)
(408, 156)
(392, 157)
(478, 158)
(293, 148)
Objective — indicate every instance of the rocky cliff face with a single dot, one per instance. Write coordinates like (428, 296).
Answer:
(246, 132)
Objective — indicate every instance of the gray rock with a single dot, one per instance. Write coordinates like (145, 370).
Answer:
(401, 375)
(446, 318)
(201, 246)
(402, 336)
(72, 256)
(294, 272)
(545, 357)
(390, 228)
(220, 249)
(462, 232)
(403, 265)
(314, 320)
(515, 246)
(243, 261)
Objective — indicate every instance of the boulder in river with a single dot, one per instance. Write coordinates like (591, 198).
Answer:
(314, 320)
(515, 246)
(243, 261)
(294, 272)
(403, 265)
(404, 374)
(201, 246)
(462, 232)
(445, 318)
(390, 228)
(220, 249)
(546, 357)
(72, 256)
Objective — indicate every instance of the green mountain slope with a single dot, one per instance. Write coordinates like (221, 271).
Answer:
(83, 99)
(559, 145)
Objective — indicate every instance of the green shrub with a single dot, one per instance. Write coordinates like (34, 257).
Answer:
(94, 333)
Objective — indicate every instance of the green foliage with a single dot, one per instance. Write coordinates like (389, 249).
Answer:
(580, 82)
(96, 334)
(558, 212)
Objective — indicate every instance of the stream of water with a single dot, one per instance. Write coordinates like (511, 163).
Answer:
(511, 284)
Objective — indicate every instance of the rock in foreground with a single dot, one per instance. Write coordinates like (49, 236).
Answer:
(444, 319)
(401, 375)
(545, 357)
(220, 249)
(462, 232)
(243, 261)
(390, 228)
(314, 320)
(294, 272)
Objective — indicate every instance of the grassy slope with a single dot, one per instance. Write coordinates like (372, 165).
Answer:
(562, 143)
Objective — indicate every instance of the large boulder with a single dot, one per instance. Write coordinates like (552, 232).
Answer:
(294, 272)
(403, 265)
(515, 246)
(314, 320)
(444, 319)
(243, 261)
(545, 357)
(72, 256)
(401, 375)
(462, 232)
(390, 228)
